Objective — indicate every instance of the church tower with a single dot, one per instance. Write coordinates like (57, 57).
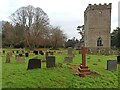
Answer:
(97, 26)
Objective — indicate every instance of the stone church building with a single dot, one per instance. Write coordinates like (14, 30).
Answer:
(97, 26)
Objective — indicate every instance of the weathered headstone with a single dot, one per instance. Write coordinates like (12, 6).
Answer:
(118, 59)
(8, 57)
(50, 61)
(20, 59)
(70, 51)
(34, 63)
(111, 65)
(68, 59)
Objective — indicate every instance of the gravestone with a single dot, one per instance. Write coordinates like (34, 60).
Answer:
(118, 59)
(68, 59)
(34, 63)
(50, 61)
(20, 59)
(8, 57)
(70, 51)
(111, 65)
(26, 54)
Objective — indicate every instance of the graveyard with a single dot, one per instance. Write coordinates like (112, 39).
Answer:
(36, 53)
(61, 75)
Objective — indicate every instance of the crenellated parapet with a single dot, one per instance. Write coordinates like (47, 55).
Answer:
(98, 7)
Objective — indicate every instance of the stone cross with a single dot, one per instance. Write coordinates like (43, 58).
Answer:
(83, 69)
(84, 52)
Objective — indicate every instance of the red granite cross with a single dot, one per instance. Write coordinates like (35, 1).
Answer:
(83, 69)
(84, 52)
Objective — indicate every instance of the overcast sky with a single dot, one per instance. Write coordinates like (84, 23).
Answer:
(67, 14)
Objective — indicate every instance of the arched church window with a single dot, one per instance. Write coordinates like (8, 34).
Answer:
(99, 42)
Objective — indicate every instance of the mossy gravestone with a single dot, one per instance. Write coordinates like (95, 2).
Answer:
(34, 63)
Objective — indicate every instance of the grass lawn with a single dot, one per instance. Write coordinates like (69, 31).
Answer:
(16, 75)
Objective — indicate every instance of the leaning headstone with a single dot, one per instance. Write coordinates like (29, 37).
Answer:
(34, 63)
(68, 59)
(8, 57)
(50, 61)
(111, 65)
(118, 59)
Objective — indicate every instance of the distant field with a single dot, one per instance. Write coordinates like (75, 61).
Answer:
(16, 75)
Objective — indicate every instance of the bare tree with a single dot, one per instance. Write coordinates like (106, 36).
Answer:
(57, 37)
(35, 22)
